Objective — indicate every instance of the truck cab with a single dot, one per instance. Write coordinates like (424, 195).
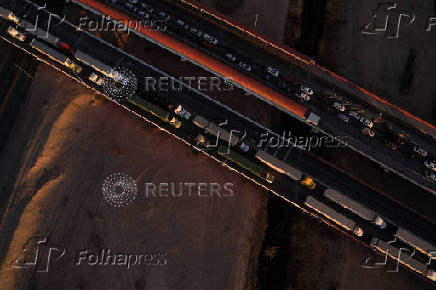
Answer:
(358, 231)
(308, 182)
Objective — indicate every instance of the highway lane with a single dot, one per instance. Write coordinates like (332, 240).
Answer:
(188, 97)
(330, 121)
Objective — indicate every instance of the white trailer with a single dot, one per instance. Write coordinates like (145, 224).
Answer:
(403, 257)
(279, 165)
(333, 215)
(201, 122)
(355, 207)
(222, 134)
(94, 63)
(420, 244)
(39, 33)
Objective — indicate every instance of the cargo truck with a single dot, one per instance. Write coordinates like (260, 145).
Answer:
(286, 169)
(403, 258)
(313, 119)
(333, 215)
(154, 110)
(39, 33)
(215, 130)
(94, 63)
(55, 55)
(420, 244)
(245, 163)
(355, 207)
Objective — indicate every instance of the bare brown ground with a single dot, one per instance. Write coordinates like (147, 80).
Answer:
(209, 241)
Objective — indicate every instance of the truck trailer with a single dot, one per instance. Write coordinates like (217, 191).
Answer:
(55, 55)
(355, 207)
(94, 63)
(215, 130)
(420, 244)
(333, 215)
(245, 163)
(403, 258)
(286, 169)
(154, 110)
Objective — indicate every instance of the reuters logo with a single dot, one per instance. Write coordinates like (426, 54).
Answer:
(119, 189)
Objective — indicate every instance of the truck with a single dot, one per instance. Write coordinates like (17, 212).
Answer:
(94, 63)
(333, 215)
(43, 35)
(355, 207)
(313, 119)
(420, 244)
(200, 122)
(286, 169)
(245, 163)
(403, 258)
(215, 130)
(55, 55)
(154, 110)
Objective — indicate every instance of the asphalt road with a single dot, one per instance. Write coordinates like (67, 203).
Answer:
(215, 112)
(403, 163)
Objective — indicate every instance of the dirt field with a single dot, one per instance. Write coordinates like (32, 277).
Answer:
(70, 141)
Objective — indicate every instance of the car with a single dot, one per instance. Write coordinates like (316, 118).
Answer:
(15, 33)
(303, 96)
(144, 14)
(430, 175)
(420, 151)
(96, 79)
(367, 131)
(354, 114)
(180, 22)
(182, 112)
(285, 86)
(367, 122)
(245, 66)
(230, 57)
(343, 118)
(195, 31)
(133, 1)
(392, 145)
(147, 7)
(164, 16)
(210, 39)
(430, 164)
(307, 90)
(244, 148)
(338, 106)
(132, 7)
(272, 71)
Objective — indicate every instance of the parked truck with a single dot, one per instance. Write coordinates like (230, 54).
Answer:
(420, 244)
(333, 215)
(355, 207)
(245, 163)
(215, 130)
(154, 110)
(313, 119)
(286, 169)
(403, 258)
(55, 55)
(94, 63)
